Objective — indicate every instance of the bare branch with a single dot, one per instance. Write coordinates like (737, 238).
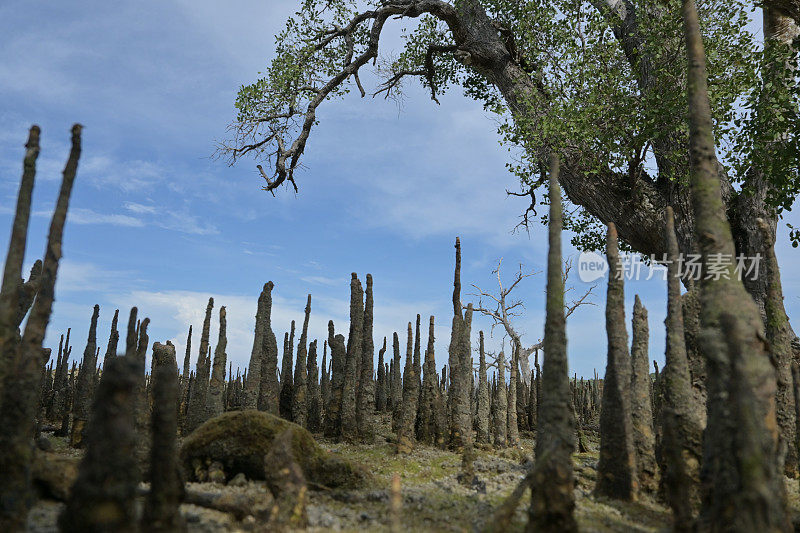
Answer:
(280, 122)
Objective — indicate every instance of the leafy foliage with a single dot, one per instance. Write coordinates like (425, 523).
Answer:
(610, 107)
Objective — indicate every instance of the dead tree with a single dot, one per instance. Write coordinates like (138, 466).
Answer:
(314, 417)
(83, 387)
(681, 424)
(199, 394)
(12, 272)
(513, 427)
(460, 420)
(505, 310)
(743, 482)
(616, 468)
(142, 403)
(253, 386)
(333, 411)
(397, 385)
(380, 393)
(409, 403)
(103, 497)
(354, 341)
(365, 393)
(23, 357)
(187, 364)
(482, 418)
(113, 338)
(216, 388)
(285, 401)
(552, 489)
(418, 371)
(161, 511)
(325, 378)
(500, 418)
(430, 398)
(269, 395)
(300, 388)
(641, 402)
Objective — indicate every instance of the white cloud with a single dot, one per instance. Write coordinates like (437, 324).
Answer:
(78, 215)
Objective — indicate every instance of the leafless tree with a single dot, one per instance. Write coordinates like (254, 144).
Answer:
(503, 308)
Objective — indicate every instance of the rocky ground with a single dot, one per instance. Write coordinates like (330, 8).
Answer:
(432, 497)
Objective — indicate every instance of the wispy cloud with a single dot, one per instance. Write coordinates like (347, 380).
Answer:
(80, 215)
(323, 280)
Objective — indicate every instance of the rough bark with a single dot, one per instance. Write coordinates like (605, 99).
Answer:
(252, 389)
(380, 393)
(501, 405)
(681, 424)
(333, 411)
(409, 403)
(287, 393)
(354, 342)
(142, 403)
(532, 409)
(742, 482)
(641, 401)
(325, 379)
(83, 386)
(161, 511)
(12, 271)
(513, 427)
(430, 399)
(460, 430)
(103, 497)
(418, 372)
(269, 395)
(796, 390)
(397, 385)
(198, 396)
(113, 338)
(552, 489)
(19, 392)
(616, 468)
(365, 394)
(314, 418)
(216, 388)
(482, 418)
(287, 484)
(187, 368)
(780, 337)
(300, 386)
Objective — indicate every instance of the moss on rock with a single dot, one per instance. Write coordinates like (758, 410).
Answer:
(240, 440)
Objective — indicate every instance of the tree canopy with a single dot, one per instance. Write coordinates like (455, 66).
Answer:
(602, 82)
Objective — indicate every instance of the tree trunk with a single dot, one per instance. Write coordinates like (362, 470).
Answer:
(353, 365)
(681, 420)
(269, 393)
(216, 388)
(285, 401)
(552, 489)
(641, 402)
(482, 417)
(616, 468)
(199, 393)
(365, 395)
(300, 386)
(743, 486)
(83, 386)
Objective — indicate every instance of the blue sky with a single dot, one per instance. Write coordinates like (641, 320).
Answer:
(156, 222)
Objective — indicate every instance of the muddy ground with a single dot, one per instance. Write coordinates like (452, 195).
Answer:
(432, 497)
